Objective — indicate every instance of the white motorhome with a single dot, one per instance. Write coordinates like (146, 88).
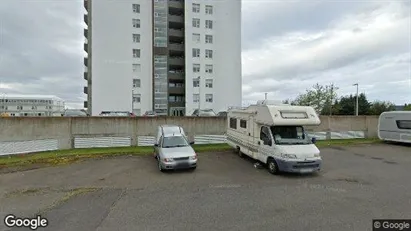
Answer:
(395, 126)
(273, 133)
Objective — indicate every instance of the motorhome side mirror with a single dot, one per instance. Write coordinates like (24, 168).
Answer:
(313, 140)
(155, 145)
(192, 142)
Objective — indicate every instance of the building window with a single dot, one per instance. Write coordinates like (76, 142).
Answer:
(136, 83)
(34, 107)
(243, 123)
(196, 53)
(233, 123)
(196, 82)
(208, 38)
(136, 23)
(136, 8)
(19, 107)
(136, 53)
(404, 124)
(196, 68)
(209, 68)
(208, 24)
(196, 8)
(209, 98)
(209, 83)
(196, 22)
(136, 38)
(208, 9)
(136, 68)
(196, 38)
(196, 98)
(209, 54)
(136, 98)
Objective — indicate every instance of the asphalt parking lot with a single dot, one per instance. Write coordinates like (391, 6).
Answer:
(357, 184)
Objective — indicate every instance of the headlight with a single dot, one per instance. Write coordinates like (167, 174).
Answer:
(193, 157)
(317, 155)
(168, 159)
(289, 156)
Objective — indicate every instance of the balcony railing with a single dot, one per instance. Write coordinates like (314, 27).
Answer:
(175, 33)
(176, 18)
(176, 4)
(176, 46)
(176, 61)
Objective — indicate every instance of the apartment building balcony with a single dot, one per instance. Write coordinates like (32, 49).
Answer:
(85, 104)
(85, 32)
(85, 90)
(85, 2)
(86, 19)
(86, 47)
(85, 76)
(176, 61)
(177, 4)
(176, 47)
(85, 61)
(176, 75)
(175, 33)
(176, 18)
(177, 90)
(176, 104)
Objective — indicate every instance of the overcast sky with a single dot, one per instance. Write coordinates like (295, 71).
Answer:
(288, 46)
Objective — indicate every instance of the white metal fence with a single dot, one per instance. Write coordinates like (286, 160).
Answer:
(7, 148)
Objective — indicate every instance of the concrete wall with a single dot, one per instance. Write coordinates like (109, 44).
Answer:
(66, 129)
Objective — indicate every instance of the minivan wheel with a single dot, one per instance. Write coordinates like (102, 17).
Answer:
(272, 167)
(159, 166)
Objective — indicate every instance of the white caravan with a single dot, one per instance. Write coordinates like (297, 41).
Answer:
(395, 126)
(273, 133)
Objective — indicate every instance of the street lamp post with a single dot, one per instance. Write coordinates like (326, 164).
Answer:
(199, 94)
(132, 100)
(356, 100)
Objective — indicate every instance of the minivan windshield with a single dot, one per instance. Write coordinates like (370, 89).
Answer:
(174, 141)
(289, 135)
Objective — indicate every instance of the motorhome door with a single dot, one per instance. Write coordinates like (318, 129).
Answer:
(265, 143)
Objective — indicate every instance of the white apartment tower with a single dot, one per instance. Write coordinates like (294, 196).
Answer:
(170, 56)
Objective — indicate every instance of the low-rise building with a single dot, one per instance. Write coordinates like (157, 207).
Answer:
(31, 105)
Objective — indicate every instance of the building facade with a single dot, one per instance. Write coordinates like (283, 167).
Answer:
(31, 105)
(170, 56)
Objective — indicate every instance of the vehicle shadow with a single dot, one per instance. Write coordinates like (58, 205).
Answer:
(259, 165)
(399, 144)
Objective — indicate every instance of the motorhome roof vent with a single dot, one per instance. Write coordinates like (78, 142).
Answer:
(269, 102)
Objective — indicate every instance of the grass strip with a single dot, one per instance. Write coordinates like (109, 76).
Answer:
(59, 157)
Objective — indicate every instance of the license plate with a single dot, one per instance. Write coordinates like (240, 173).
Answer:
(305, 170)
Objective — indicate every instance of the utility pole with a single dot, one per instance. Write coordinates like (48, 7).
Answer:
(132, 100)
(356, 100)
(331, 100)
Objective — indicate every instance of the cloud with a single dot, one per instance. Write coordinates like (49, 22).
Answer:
(288, 46)
(367, 46)
(41, 48)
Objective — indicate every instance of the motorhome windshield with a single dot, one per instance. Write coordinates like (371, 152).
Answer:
(289, 135)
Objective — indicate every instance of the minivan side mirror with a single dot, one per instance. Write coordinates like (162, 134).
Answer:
(313, 140)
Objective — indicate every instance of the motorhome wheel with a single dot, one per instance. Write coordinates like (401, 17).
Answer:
(272, 166)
